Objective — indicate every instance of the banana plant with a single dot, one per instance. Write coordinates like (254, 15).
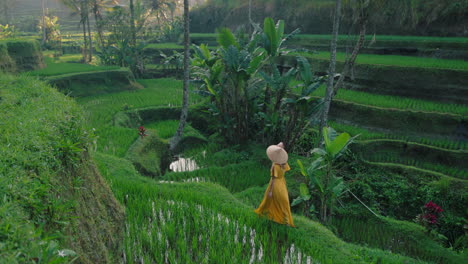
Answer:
(321, 173)
(228, 77)
(274, 38)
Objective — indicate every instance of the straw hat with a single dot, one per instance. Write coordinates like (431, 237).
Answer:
(277, 154)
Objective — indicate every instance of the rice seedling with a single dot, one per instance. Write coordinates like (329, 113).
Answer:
(166, 129)
(164, 46)
(235, 177)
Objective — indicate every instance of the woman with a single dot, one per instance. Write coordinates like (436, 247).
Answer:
(275, 204)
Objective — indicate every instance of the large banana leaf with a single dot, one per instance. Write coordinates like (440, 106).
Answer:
(305, 70)
(226, 39)
(304, 191)
(301, 167)
(337, 145)
(270, 33)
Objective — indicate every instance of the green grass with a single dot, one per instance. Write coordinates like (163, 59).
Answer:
(390, 38)
(394, 60)
(102, 108)
(203, 222)
(40, 133)
(164, 46)
(397, 102)
(235, 177)
(167, 128)
(73, 58)
(60, 68)
(395, 236)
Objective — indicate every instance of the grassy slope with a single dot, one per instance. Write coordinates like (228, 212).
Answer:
(109, 104)
(102, 108)
(166, 92)
(51, 193)
(142, 194)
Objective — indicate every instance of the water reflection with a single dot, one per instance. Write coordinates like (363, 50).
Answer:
(183, 164)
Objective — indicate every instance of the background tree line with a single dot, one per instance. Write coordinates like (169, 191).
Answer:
(395, 17)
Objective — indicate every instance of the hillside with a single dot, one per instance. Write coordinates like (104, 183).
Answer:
(51, 190)
(168, 222)
(89, 172)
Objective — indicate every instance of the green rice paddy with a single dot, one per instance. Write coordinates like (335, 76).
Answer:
(368, 37)
(54, 68)
(365, 134)
(394, 60)
(182, 223)
(396, 102)
(168, 217)
(102, 108)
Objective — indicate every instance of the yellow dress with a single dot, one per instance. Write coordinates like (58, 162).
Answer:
(277, 206)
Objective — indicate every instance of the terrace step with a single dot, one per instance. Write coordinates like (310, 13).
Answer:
(404, 167)
(93, 83)
(420, 153)
(442, 48)
(441, 85)
(421, 124)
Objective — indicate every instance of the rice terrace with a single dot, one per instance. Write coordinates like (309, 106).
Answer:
(233, 131)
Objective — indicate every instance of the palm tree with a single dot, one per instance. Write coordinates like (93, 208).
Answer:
(362, 11)
(97, 8)
(81, 7)
(183, 116)
(331, 69)
(43, 22)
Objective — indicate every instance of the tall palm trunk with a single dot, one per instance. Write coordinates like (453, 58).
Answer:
(132, 23)
(98, 22)
(89, 36)
(349, 64)
(184, 114)
(331, 69)
(83, 23)
(44, 36)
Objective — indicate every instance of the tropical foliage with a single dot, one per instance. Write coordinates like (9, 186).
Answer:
(53, 38)
(7, 31)
(321, 175)
(249, 94)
